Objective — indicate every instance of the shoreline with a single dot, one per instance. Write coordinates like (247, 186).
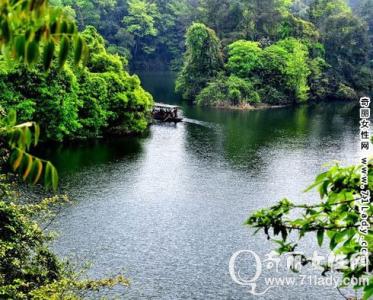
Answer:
(247, 106)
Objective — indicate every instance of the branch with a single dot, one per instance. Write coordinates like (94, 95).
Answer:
(305, 206)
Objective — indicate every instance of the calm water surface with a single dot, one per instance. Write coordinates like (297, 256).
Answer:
(168, 209)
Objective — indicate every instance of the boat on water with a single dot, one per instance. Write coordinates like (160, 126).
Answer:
(166, 113)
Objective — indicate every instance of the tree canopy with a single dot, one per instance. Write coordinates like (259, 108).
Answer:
(203, 60)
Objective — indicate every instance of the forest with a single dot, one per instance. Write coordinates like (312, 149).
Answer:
(151, 36)
(227, 53)
(68, 73)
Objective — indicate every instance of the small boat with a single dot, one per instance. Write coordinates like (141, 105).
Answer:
(166, 113)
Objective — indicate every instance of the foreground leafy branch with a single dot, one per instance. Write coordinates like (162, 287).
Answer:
(17, 140)
(28, 268)
(31, 30)
(337, 216)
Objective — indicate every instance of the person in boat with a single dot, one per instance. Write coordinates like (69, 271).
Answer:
(174, 112)
(162, 113)
(168, 115)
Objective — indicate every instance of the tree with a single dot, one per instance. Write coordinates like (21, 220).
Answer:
(279, 72)
(124, 106)
(24, 29)
(224, 17)
(365, 10)
(297, 70)
(175, 18)
(203, 60)
(291, 26)
(345, 37)
(244, 57)
(78, 102)
(140, 22)
(320, 10)
(49, 97)
(266, 16)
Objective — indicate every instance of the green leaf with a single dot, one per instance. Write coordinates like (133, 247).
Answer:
(85, 55)
(53, 27)
(39, 33)
(32, 52)
(78, 50)
(54, 178)
(38, 169)
(27, 137)
(11, 118)
(284, 233)
(20, 46)
(333, 242)
(16, 159)
(71, 28)
(48, 55)
(63, 27)
(51, 176)
(64, 51)
(47, 175)
(320, 236)
(36, 134)
(28, 169)
(5, 31)
(368, 292)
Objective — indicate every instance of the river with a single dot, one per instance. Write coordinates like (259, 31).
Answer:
(167, 209)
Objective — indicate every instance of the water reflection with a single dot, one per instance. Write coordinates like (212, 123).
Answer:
(242, 134)
(77, 155)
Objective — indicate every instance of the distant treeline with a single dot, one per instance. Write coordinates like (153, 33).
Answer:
(151, 34)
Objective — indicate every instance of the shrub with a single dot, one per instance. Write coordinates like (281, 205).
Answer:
(345, 92)
(230, 90)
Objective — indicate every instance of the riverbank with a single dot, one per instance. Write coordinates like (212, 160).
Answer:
(247, 106)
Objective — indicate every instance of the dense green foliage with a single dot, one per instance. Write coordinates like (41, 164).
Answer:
(290, 53)
(364, 9)
(25, 264)
(28, 268)
(277, 74)
(234, 90)
(112, 99)
(336, 217)
(148, 33)
(203, 60)
(32, 29)
(76, 101)
(345, 37)
(151, 35)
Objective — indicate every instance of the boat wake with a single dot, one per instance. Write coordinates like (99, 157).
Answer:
(201, 123)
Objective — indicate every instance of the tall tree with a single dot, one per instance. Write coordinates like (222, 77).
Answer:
(364, 9)
(203, 60)
(345, 37)
(266, 16)
(140, 23)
